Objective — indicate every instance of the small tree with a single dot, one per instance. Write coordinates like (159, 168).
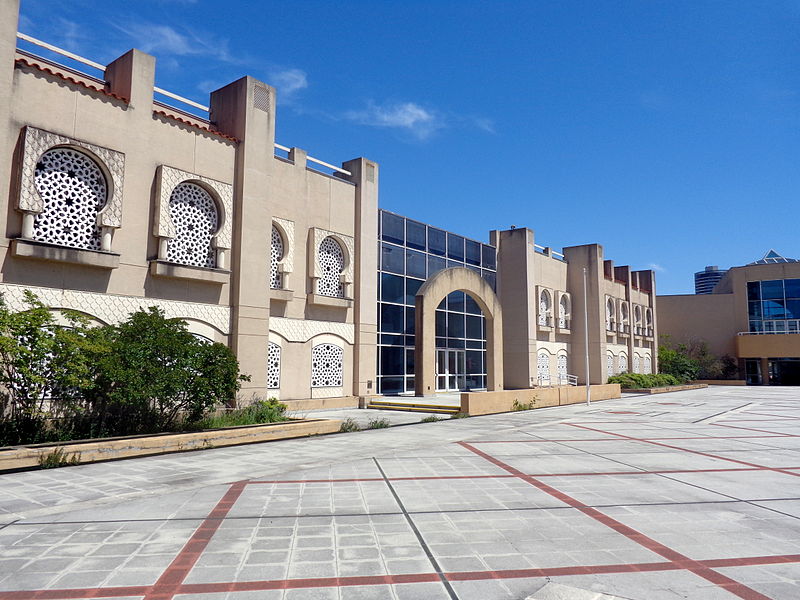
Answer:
(676, 361)
(156, 374)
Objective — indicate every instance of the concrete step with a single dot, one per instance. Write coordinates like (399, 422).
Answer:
(412, 407)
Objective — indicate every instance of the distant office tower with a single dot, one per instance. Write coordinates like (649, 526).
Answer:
(704, 281)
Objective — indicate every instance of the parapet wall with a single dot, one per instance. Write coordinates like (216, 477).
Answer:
(487, 403)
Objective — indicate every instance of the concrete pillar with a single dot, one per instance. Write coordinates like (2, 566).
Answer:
(364, 174)
(132, 76)
(764, 370)
(516, 288)
(245, 109)
(9, 132)
(589, 256)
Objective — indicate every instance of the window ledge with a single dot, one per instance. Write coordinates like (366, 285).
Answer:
(160, 268)
(281, 295)
(22, 248)
(329, 301)
(566, 330)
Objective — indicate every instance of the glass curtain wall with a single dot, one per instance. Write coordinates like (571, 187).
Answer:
(410, 252)
(774, 305)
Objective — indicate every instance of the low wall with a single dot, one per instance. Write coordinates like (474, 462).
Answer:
(22, 457)
(319, 403)
(487, 403)
(667, 389)
(721, 381)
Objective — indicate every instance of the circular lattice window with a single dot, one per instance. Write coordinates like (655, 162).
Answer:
(326, 366)
(74, 190)
(275, 281)
(194, 216)
(331, 262)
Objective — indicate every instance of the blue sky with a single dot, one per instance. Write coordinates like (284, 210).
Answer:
(667, 131)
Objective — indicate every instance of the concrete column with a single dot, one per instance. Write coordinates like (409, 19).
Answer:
(764, 371)
(245, 109)
(365, 359)
(589, 256)
(516, 288)
(132, 76)
(9, 131)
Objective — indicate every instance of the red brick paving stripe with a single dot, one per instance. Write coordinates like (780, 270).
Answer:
(690, 451)
(176, 572)
(731, 585)
(315, 582)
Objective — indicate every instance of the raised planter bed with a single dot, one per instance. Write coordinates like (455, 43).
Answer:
(666, 389)
(89, 451)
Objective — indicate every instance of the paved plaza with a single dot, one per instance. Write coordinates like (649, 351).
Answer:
(683, 495)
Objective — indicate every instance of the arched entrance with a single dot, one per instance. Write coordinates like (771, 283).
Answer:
(428, 298)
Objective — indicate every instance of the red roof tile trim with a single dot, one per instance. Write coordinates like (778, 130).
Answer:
(99, 90)
(195, 125)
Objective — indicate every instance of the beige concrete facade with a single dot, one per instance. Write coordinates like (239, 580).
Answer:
(721, 319)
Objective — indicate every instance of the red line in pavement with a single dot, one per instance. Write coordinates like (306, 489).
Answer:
(171, 579)
(690, 437)
(75, 593)
(698, 452)
(409, 478)
(775, 433)
(731, 585)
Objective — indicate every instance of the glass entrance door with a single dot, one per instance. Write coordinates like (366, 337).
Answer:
(451, 370)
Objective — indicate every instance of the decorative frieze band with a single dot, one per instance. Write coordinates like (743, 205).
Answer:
(299, 330)
(112, 308)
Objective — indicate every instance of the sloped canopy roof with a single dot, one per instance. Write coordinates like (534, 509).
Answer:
(773, 257)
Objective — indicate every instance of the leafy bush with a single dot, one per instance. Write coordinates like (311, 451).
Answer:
(146, 375)
(677, 362)
(460, 415)
(430, 419)
(259, 412)
(522, 405)
(58, 458)
(641, 381)
(348, 425)
(378, 423)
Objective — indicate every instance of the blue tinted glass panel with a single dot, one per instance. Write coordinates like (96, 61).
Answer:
(391, 288)
(755, 325)
(474, 329)
(409, 362)
(772, 290)
(472, 306)
(473, 253)
(774, 309)
(441, 323)
(392, 360)
(474, 344)
(454, 263)
(754, 290)
(754, 310)
(475, 361)
(455, 301)
(455, 325)
(437, 241)
(392, 385)
(392, 340)
(415, 264)
(435, 264)
(410, 340)
(455, 247)
(455, 343)
(392, 258)
(792, 288)
(392, 228)
(415, 235)
(392, 318)
(412, 287)
(410, 321)
(793, 309)
(489, 257)
(490, 278)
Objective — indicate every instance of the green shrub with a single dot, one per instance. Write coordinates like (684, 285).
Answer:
(378, 423)
(430, 419)
(642, 380)
(348, 425)
(58, 458)
(522, 405)
(460, 415)
(259, 412)
(677, 362)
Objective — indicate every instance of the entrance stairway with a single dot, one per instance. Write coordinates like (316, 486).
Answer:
(384, 404)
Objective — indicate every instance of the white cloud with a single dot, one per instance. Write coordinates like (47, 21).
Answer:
(155, 38)
(656, 267)
(288, 82)
(408, 116)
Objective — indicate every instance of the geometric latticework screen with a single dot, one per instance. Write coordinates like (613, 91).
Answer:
(194, 215)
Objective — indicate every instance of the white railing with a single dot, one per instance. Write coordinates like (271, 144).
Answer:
(544, 250)
(567, 379)
(791, 326)
(316, 160)
(99, 67)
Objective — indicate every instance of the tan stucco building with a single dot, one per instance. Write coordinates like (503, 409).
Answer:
(753, 314)
(117, 200)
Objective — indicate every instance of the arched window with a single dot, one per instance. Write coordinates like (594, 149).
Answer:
(637, 317)
(563, 312)
(648, 365)
(561, 368)
(637, 365)
(73, 189)
(609, 364)
(194, 215)
(276, 277)
(273, 366)
(648, 321)
(622, 363)
(331, 261)
(623, 310)
(545, 309)
(203, 339)
(610, 312)
(543, 367)
(327, 366)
